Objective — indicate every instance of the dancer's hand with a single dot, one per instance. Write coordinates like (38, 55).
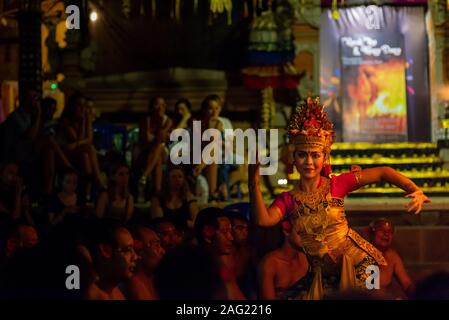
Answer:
(418, 199)
(253, 174)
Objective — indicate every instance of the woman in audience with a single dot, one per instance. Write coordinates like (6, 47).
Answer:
(66, 202)
(176, 202)
(210, 110)
(117, 203)
(75, 135)
(151, 151)
(198, 184)
(51, 153)
(14, 201)
(183, 114)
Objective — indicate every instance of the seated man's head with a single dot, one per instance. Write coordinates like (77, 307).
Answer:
(69, 180)
(223, 239)
(22, 236)
(48, 105)
(112, 250)
(239, 227)
(148, 246)
(433, 287)
(9, 173)
(381, 233)
(189, 272)
(168, 234)
(291, 235)
(31, 99)
(205, 222)
(213, 228)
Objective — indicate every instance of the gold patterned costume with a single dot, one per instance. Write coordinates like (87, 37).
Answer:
(334, 250)
(337, 254)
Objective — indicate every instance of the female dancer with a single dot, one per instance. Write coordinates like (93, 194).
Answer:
(337, 255)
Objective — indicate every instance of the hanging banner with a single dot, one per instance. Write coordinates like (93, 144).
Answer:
(328, 3)
(374, 75)
(373, 88)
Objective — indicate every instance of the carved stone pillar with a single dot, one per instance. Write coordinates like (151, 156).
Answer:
(437, 21)
(71, 54)
(306, 32)
(30, 60)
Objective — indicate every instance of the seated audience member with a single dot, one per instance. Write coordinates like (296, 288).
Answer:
(14, 201)
(66, 202)
(183, 114)
(282, 272)
(148, 246)
(381, 236)
(151, 151)
(168, 234)
(205, 225)
(245, 254)
(117, 203)
(19, 278)
(176, 202)
(20, 131)
(213, 231)
(114, 260)
(434, 287)
(75, 136)
(16, 242)
(21, 236)
(210, 109)
(52, 155)
(189, 273)
(49, 124)
(224, 170)
(198, 184)
(38, 271)
(227, 124)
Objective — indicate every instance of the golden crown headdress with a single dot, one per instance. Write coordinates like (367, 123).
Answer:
(309, 126)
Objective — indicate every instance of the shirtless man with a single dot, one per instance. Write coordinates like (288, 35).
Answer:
(223, 247)
(114, 261)
(381, 236)
(168, 234)
(245, 255)
(213, 231)
(281, 269)
(148, 247)
(22, 236)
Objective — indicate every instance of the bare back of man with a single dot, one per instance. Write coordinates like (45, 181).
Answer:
(286, 270)
(142, 288)
(381, 234)
(95, 293)
(394, 269)
(282, 268)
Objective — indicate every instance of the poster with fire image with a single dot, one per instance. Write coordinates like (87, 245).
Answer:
(374, 92)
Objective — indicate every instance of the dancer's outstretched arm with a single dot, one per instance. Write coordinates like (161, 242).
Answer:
(387, 174)
(261, 215)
